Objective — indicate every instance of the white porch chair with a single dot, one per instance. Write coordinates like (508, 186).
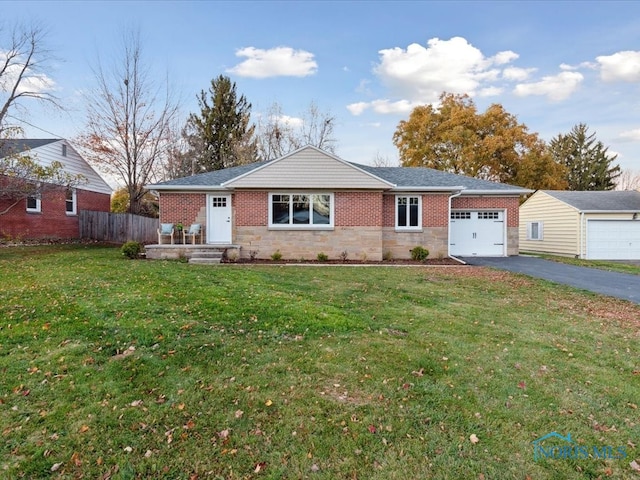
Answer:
(193, 232)
(165, 230)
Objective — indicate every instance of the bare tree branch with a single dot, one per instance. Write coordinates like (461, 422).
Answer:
(129, 121)
(24, 63)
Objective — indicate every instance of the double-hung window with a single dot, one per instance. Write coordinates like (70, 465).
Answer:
(301, 210)
(408, 212)
(34, 203)
(534, 231)
(71, 201)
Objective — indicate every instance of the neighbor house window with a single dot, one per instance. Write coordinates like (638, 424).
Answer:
(64, 150)
(34, 203)
(71, 201)
(301, 210)
(534, 231)
(408, 212)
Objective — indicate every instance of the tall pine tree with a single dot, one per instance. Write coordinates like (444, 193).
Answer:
(589, 165)
(220, 136)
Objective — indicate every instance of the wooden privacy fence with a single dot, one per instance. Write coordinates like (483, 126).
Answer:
(118, 227)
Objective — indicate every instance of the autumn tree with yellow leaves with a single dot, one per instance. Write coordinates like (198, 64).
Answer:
(454, 137)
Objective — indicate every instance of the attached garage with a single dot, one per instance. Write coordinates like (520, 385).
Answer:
(477, 233)
(589, 225)
(613, 239)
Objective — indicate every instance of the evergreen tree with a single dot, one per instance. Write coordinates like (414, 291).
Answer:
(588, 164)
(221, 136)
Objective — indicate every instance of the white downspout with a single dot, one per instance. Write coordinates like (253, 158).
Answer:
(457, 194)
(582, 234)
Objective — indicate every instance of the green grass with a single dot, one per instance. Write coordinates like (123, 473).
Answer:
(112, 368)
(619, 266)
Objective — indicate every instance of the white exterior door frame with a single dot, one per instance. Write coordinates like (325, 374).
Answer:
(219, 224)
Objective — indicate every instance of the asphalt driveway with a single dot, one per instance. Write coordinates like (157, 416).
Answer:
(614, 284)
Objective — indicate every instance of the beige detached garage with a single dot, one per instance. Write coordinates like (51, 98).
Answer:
(590, 225)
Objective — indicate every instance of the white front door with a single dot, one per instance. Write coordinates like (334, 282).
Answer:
(477, 233)
(219, 219)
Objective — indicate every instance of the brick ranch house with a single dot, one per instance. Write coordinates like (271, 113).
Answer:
(54, 213)
(310, 201)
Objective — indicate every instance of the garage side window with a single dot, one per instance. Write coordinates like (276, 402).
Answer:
(408, 212)
(301, 210)
(534, 231)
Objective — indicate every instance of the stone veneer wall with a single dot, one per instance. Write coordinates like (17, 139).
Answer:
(360, 243)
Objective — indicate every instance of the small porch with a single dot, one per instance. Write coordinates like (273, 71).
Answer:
(203, 254)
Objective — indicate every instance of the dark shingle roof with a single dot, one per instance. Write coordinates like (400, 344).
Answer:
(11, 146)
(215, 178)
(605, 201)
(399, 176)
(429, 177)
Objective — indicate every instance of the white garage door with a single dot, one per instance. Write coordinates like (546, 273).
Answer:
(477, 233)
(613, 239)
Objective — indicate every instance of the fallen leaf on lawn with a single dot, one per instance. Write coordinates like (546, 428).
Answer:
(224, 433)
(75, 458)
(181, 406)
(268, 403)
(239, 413)
(418, 373)
(136, 403)
(372, 428)
(635, 466)
(84, 428)
(259, 467)
(315, 468)
(190, 424)
(148, 453)
(522, 385)
(56, 466)
(128, 449)
(632, 405)
(473, 438)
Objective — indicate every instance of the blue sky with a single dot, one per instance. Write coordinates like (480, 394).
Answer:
(552, 64)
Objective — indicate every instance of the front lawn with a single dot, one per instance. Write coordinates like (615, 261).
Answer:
(120, 369)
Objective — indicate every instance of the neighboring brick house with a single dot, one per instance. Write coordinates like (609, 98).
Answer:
(54, 214)
(310, 201)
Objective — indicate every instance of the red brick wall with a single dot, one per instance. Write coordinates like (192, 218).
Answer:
(358, 209)
(251, 209)
(52, 221)
(511, 204)
(181, 207)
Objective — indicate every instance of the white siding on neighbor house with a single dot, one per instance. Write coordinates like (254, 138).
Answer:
(309, 169)
(560, 225)
(73, 163)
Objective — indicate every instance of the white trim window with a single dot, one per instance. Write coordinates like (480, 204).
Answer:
(534, 231)
(34, 203)
(301, 210)
(408, 212)
(71, 201)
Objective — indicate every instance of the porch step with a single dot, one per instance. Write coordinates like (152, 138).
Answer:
(206, 257)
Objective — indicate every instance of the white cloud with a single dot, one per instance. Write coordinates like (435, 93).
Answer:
(357, 108)
(556, 88)
(490, 92)
(275, 62)
(621, 66)
(419, 74)
(631, 135)
(383, 106)
(35, 83)
(517, 74)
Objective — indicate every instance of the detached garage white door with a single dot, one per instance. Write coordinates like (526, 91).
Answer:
(613, 239)
(477, 233)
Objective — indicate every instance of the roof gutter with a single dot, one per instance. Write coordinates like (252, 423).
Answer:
(427, 189)
(188, 188)
(520, 191)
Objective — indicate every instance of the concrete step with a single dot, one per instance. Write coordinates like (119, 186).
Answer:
(206, 254)
(205, 261)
